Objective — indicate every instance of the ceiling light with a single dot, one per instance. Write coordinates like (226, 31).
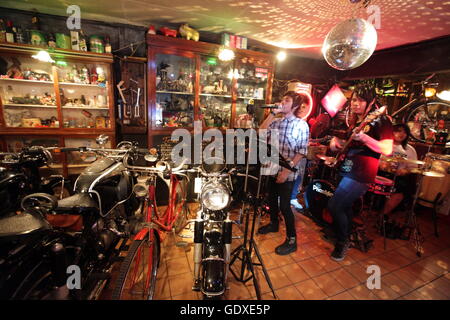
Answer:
(281, 56)
(226, 54)
(43, 56)
(429, 92)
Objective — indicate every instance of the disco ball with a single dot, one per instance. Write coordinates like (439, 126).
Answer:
(349, 44)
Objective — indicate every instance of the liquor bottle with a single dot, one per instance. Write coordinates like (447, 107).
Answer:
(2, 31)
(83, 42)
(107, 45)
(51, 41)
(9, 32)
(20, 35)
(36, 22)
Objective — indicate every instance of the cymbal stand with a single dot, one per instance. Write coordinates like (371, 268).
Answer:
(412, 223)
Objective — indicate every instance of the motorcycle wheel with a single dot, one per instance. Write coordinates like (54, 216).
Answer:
(137, 274)
(35, 285)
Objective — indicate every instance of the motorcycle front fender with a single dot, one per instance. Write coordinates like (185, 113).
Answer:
(213, 279)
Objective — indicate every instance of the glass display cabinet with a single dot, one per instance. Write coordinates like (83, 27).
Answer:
(187, 82)
(71, 96)
(174, 91)
(215, 92)
(27, 93)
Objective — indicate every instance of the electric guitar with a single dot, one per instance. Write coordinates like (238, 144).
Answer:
(334, 162)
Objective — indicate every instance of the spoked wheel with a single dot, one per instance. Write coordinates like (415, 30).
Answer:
(137, 274)
(423, 117)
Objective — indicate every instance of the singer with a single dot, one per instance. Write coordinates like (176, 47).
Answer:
(293, 140)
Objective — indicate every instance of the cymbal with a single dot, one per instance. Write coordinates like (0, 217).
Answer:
(399, 159)
(428, 173)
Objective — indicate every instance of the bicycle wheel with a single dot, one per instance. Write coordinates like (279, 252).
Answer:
(137, 274)
(422, 118)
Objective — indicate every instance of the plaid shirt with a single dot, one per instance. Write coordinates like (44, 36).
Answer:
(293, 135)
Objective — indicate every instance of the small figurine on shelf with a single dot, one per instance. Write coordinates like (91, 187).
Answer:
(101, 81)
(151, 30)
(188, 33)
(15, 72)
(84, 75)
(94, 76)
(76, 76)
(173, 122)
(83, 100)
(168, 32)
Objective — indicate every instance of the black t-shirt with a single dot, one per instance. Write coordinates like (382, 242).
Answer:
(361, 162)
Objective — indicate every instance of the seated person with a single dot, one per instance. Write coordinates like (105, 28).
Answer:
(404, 186)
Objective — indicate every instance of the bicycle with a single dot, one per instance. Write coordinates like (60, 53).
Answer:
(422, 114)
(138, 271)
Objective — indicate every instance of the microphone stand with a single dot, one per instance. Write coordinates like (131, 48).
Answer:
(245, 250)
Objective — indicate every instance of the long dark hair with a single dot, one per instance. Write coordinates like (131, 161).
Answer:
(405, 127)
(366, 92)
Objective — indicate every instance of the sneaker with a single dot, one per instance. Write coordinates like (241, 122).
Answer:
(296, 205)
(340, 250)
(289, 246)
(268, 228)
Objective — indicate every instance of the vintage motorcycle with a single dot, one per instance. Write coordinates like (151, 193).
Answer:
(212, 229)
(65, 249)
(21, 176)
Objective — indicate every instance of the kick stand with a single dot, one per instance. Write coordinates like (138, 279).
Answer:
(246, 248)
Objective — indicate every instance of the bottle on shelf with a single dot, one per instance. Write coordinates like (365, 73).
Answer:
(83, 41)
(2, 31)
(9, 32)
(36, 22)
(20, 35)
(108, 48)
(51, 41)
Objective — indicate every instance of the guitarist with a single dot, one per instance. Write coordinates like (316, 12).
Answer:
(360, 165)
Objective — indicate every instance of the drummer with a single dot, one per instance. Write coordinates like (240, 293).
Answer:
(404, 180)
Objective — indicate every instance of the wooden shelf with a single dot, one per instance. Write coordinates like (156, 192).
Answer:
(30, 105)
(214, 95)
(176, 92)
(88, 108)
(26, 81)
(82, 85)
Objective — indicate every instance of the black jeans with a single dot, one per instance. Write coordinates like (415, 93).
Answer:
(282, 191)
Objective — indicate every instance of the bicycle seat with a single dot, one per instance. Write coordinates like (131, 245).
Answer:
(77, 202)
(21, 224)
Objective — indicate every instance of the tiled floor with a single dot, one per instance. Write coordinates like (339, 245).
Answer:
(309, 273)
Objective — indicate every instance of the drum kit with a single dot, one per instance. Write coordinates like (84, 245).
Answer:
(432, 175)
(430, 171)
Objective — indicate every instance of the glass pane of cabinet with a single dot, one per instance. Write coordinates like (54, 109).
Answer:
(83, 89)
(27, 93)
(215, 92)
(252, 76)
(175, 79)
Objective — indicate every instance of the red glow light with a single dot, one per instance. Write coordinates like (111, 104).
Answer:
(334, 100)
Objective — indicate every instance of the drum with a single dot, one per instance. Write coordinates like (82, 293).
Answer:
(314, 150)
(316, 197)
(431, 184)
(382, 186)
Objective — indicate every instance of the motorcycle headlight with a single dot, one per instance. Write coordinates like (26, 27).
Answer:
(215, 196)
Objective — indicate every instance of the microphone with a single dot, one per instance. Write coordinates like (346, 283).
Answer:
(270, 106)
